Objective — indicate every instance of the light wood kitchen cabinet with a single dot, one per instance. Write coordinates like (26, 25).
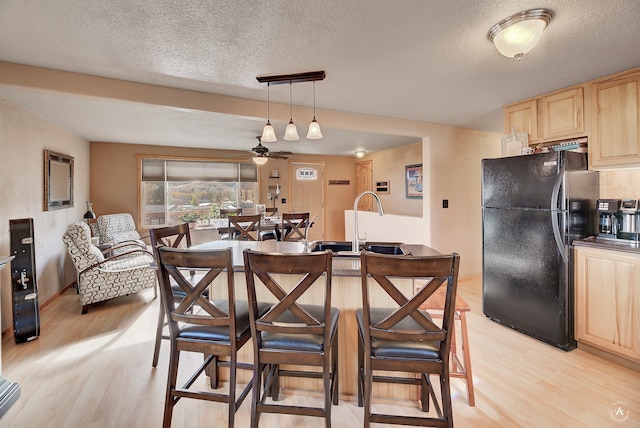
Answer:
(607, 300)
(614, 137)
(561, 114)
(555, 116)
(522, 117)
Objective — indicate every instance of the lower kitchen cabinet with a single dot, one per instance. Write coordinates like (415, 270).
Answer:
(607, 300)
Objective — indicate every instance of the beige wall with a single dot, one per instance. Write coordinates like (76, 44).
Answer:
(114, 179)
(454, 171)
(388, 165)
(23, 138)
(619, 184)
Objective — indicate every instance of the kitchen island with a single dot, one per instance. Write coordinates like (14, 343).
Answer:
(346, 295)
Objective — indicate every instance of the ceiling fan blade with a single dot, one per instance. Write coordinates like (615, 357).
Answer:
(277, 156)
(280, 153)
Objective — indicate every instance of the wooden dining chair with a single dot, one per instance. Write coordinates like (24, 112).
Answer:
(244, 227)
(177, 236)
(402, 337)
(294, 226)
(292, 333)
(217, 327)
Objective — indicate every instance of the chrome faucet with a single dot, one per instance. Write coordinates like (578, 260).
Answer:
(305, 241)
(355, 245)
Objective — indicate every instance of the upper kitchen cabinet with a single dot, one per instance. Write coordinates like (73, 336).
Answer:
(561, 114)
(614, 137)
(522, 117)
(555, 116)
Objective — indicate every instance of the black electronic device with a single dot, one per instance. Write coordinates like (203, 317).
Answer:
(608, 218)
(26, 313)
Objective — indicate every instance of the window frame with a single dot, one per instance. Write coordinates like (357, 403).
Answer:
(142, 157)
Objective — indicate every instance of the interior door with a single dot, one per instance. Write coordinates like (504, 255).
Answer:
(306, 193)
(364, 181)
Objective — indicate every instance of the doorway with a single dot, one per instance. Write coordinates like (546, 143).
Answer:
(306, 184)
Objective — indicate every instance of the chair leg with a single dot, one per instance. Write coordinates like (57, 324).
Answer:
(232, 387)
(274, 390)
(360, 370)
(213, 371)
(258, 370)
(335, 369)
(424, 391)
(445, 391)
(368, 374)
(170, 401)
(159, 328)
(467, 359)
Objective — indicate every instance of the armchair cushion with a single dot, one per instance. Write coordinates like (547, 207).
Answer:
(115, 228)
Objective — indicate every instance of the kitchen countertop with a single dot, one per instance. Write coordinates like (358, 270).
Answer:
(609, 244)
(342, 266)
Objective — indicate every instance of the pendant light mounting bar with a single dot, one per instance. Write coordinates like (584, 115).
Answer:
(309, 76)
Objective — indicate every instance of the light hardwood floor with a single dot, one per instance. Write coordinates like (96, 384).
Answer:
(94, 370)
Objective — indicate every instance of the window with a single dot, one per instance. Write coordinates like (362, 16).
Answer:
(177, 190)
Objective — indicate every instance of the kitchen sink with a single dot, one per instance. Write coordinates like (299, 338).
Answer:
(343, 248)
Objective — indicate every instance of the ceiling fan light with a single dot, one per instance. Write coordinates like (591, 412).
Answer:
(260, 160)
(291, 132)
(518, 34)
(314, 130)
(268, 134)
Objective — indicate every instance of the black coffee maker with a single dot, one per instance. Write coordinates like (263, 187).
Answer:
(609, 222)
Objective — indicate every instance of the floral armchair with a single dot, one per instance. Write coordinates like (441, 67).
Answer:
(101, 278)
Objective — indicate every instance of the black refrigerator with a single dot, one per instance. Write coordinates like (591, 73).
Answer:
(533, 207)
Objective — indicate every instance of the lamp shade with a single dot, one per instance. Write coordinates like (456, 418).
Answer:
(268, 134)
(260, 160)
(89, 215)
(518, 34)
(314, 130)
(291, 132)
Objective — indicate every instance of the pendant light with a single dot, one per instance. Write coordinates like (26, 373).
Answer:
(291, 133)
(268, 133)
(314, 127)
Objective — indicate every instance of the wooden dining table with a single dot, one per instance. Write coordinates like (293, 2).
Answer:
(266, 224)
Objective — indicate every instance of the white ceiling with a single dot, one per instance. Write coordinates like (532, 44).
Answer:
(426, 61)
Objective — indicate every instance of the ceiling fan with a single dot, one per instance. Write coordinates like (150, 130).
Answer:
(260, 154)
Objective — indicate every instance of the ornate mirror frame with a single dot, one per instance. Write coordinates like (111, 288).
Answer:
(58, 181)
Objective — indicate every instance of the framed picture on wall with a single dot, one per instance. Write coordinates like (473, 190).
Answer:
(413, 181)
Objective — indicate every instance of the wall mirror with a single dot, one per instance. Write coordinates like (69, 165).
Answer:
(58, 181)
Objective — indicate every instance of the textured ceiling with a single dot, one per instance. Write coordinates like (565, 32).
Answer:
(427, 61)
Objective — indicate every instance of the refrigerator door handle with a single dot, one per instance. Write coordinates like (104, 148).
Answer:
(556, 210)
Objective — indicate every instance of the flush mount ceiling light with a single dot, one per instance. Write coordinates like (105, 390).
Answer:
(291, 133)
(518, 34)
(359, 154)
